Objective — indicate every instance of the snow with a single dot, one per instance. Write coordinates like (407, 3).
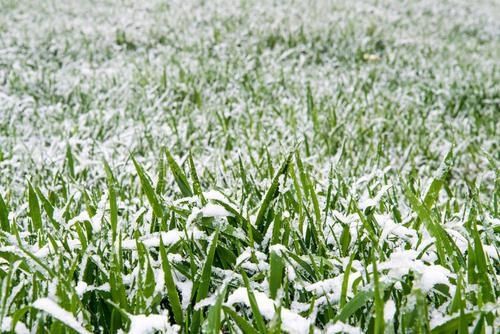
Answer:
(48, 248)
(185, 287)
(432, 275)
(279, 249)
(146, 324)
(370, 202)
(389, 227)
(210, 300)
(127, 116)
(6, 326)
(82, 217)
(53, 309)
(215, 210)
(168, 238)
(326, 286)
(291, 321)
(401, 263)
(389, 310)
(340, 327)
(345, 219)
(491, 251)
(437, 318)
(214, 195)
(42, 252)
(244, 256)
(95, 221)
(81, 288)
(334, 285)
(103, 287)
(243, 260)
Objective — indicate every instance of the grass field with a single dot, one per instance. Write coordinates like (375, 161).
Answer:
(249, 166)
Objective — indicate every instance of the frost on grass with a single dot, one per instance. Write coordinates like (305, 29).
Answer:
(20, 327)
(390, 113)
(54, 310)
(153, 323)
(291, 322)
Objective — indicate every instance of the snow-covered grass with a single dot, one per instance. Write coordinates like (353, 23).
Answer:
(249, 166)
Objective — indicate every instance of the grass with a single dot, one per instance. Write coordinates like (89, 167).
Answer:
(251, 167)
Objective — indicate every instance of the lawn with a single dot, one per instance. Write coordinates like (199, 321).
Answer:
(249, 166)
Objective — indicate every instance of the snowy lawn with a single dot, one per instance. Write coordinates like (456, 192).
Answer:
(249, 166)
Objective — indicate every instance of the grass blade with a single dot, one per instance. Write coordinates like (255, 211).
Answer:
(196, 181)
(439, 180)
(354, 304)
(202, 290)
(113, 207)
(172, 294)
(275, 273)
(257, 316)
(4, 215)
(271, 193)
(148, 190)
(214, 315)
(453, 325)
(34, 208)
(243, 324)
(179, 176)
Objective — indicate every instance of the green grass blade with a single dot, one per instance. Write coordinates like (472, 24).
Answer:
(311, 109)
(379, 303)
(34, 208)
(196, 181)
(179, 176)
(345, 281)
(354, 304)
(276, 270)
(148, 190)
(257, 316)
(202, 290)
(243, 324)
(271, 193)
(487, 289)
(439, 180)
(113, 207)
(213, 325)
(47, 206)
(70, 161)
(4, 215)
(453, 324)
(173, 296)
